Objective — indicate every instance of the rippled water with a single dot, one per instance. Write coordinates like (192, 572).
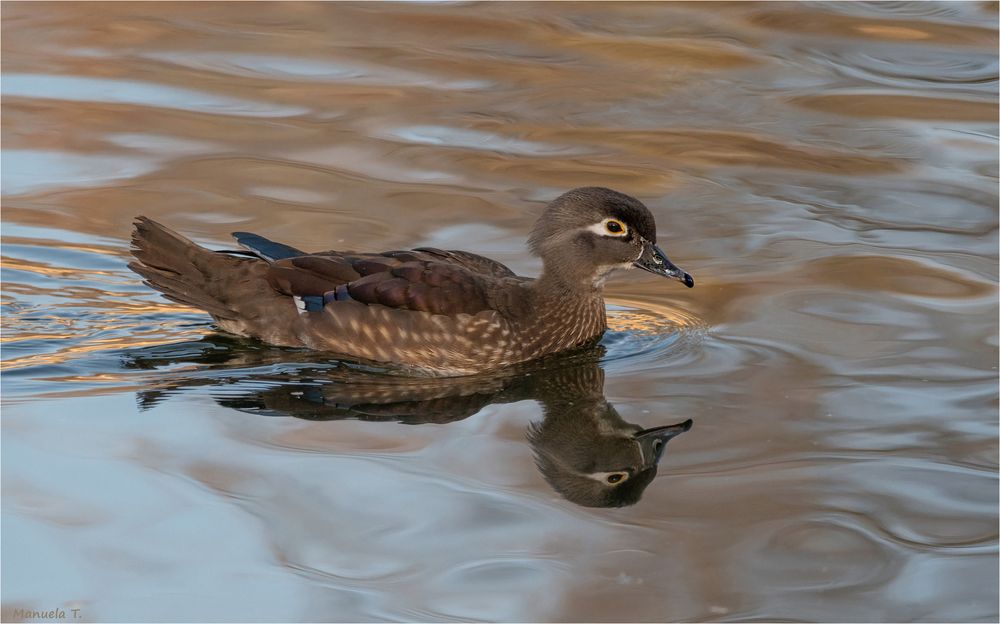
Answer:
(827, 172)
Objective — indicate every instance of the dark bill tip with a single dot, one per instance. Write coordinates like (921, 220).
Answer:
(667, 431)
(652, 441)
(655, 261)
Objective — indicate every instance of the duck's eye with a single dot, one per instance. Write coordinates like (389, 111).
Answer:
(613, 226)
(616, 477)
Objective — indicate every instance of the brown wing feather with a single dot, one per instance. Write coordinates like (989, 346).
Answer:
(316, 274)
(464, 259)
(310, 275)
(434, 287)
(470, 261)
(408, 280)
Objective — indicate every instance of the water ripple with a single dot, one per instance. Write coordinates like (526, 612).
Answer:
(826, 171)
(135, 93)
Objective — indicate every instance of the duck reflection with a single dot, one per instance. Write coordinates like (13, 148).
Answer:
(585, 449)
(582, 446)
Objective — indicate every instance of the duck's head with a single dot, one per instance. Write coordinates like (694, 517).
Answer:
(586, 233)
(593, 458)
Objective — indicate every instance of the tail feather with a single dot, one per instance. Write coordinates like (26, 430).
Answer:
(182, 270)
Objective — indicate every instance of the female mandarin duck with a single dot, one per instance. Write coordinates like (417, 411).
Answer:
(428, 310)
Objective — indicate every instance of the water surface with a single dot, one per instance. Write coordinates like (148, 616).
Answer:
(826, 171)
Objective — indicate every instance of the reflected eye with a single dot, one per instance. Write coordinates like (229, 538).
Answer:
(614, 226)
(616, 477)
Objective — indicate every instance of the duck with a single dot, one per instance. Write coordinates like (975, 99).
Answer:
(426, 311)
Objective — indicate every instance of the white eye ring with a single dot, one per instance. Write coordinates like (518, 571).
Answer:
(616, 477)
(607, 226)
(610, 478)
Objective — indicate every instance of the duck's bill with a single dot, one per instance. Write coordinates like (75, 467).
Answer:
(652, 441)
(655, 261)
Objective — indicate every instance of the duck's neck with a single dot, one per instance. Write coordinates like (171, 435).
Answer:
(564, 313)
(570, 287)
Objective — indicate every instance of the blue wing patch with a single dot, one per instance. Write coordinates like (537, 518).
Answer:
(315, 303)
(310, 303)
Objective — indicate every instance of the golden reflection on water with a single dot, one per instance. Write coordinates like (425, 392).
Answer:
(827, 172)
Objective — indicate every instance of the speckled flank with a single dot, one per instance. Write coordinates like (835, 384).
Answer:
(435, 343)
(439, 344)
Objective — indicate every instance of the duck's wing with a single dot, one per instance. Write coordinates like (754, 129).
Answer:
(470, 261)
(270, 250)
(425, 279)
(404, 280)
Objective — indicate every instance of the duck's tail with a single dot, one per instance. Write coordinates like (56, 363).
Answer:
(186, 272)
